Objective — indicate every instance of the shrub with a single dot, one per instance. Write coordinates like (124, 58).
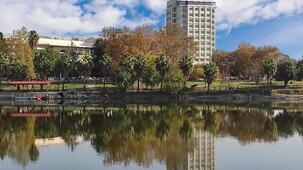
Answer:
(174, 82)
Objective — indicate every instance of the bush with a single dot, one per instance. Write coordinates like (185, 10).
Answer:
(174, 82)
(197, 73)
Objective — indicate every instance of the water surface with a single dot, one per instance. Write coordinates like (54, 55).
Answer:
(167, 137)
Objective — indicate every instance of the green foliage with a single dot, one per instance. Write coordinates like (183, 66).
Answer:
(62, 65)
(269, 68)
(197, 73)
(162, 66)
(151, 77)
(33, 39)
(99, 53)
(186, 64)
(210, 73)
(104, 65)
(140, 64)
(285, 71)
(45, 61)
(83, 66)
(18, 71)
(4, 63)
(124, 79)
(174, 82)
(299, 70)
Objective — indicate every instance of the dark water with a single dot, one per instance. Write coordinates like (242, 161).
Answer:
(134, 137)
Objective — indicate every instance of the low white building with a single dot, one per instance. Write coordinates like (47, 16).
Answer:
(81, 47)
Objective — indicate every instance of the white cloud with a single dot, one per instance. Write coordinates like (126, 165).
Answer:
(64, 16)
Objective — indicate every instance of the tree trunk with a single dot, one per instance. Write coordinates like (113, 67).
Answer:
(84, 83)
(285, 84)
(161, 86)
(208, 87)
(138, 84)
(104, 83)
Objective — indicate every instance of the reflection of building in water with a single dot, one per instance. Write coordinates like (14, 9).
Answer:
(203, 156)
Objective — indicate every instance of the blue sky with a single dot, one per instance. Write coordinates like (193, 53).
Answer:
(259, 22)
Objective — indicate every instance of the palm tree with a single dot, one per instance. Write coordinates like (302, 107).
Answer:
(186, 64)
(269, 68)
(210, 72)
(140, 65)
(33, 38)
(105, 65)
(162, 66)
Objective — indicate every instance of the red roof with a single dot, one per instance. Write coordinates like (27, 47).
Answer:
(30, 82)
(31, 114)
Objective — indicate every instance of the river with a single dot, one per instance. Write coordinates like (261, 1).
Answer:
(174, 136)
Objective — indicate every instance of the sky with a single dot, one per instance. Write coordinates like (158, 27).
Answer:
(259, 22)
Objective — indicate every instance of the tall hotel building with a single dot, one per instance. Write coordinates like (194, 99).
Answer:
(198, 19)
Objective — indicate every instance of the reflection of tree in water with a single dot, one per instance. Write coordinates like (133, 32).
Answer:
(19, 144)
(143, 133)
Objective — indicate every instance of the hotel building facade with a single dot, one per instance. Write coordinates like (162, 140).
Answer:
(198, 19)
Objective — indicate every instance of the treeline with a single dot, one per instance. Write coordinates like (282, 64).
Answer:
(256, 63)
(146, 56)
(122, 56)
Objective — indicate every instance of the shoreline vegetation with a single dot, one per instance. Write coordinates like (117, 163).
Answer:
(235, 92)
(145, 64)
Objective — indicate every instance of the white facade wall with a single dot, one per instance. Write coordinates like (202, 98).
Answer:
(198, 19)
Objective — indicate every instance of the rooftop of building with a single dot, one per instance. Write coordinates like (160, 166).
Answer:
(66, 42)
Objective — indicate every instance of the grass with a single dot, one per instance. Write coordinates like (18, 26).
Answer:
(199, 86)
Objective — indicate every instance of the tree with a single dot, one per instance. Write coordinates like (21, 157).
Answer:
(173, 82)
(124, 79)
(186, 64)
(269, 68)
(83, 68)
(299, 70)
(285, 71)
(98, 52)
(19, 51)
(124, 76)
(45, 62)
(105, 66)
(33, 39)
(210, 73)
(162, 66)
(62, 67)
(197, 72)
(18, 71)
(151, 77)
(224, 61)
(2, 43)
(140, 65)
(4, 63)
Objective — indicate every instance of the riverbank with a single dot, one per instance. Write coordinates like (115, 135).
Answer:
(232, 96)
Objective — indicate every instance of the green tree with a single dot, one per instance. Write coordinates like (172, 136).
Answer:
(285, 71)
(18, 71)
(124, 79)
(210, 73)
(98, 52)
(269, 68)
(45, 61)
(162, 66)
(140, 65)
(62, 67)
(151, 77)
(33, 38)
(174, 82)
(299, 70)
(105, 66)
(2, 42)
(83, 68)
(124, 76)
(4, 63)
(186, 64)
